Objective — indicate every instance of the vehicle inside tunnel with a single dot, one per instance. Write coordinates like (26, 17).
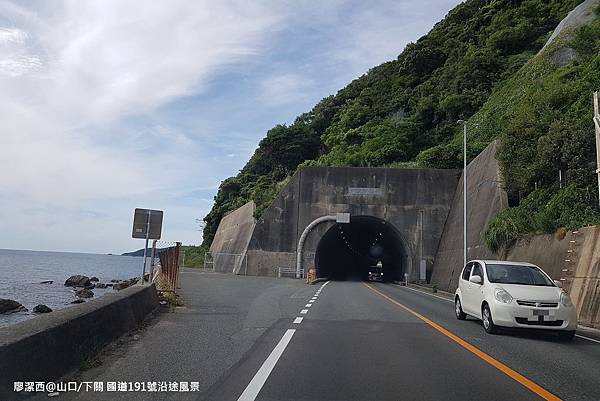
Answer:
(366, 248)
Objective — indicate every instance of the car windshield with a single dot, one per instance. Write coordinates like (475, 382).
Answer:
(517, 274)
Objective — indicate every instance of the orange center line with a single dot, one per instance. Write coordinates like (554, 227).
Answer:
(534, 387)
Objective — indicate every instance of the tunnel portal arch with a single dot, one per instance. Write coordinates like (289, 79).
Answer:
(347, 251)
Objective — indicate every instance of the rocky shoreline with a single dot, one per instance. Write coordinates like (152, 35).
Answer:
(82, 289)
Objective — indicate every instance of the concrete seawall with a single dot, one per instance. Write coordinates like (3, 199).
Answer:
(48, 346)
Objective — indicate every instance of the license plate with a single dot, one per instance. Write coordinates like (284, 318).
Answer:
(540, 312)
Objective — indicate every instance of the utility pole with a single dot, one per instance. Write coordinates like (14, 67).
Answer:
(597, 124)
(464, 123)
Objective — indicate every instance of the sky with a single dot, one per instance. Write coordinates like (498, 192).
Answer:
(109, 105)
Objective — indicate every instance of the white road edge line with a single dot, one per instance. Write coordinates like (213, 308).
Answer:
(587, 338)
(311, 301)
(304, 311)
(449, 300)
(298, 320)
(431, 295)
(307, 305)
(259, 379)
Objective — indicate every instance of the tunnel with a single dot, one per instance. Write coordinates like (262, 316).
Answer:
(350, 251)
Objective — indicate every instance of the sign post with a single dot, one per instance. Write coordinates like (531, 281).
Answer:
(147, 224)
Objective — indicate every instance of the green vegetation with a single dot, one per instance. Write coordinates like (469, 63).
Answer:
(403, 113)
(543, 211)
(543, 117)
(194, 255)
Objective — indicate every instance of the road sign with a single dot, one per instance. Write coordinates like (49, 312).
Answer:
(342, 218)
(147, 223)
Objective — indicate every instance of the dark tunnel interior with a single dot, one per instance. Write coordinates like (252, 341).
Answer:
(350, 251)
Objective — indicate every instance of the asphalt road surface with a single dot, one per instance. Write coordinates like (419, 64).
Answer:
(258, 338)
(385, 342)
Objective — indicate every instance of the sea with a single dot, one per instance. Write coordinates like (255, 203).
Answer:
(21, 274)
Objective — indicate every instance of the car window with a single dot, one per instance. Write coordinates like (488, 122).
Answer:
(467, 271)
(517, 274)
(477, 271)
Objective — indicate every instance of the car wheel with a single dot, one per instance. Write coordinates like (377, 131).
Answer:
(566, 335)
(488, 322)
(460, 315)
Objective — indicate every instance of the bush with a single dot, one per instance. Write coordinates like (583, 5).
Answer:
(194, 256)
(541, 212)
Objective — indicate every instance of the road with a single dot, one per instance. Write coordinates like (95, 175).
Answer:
(364, 342)
(246, 338)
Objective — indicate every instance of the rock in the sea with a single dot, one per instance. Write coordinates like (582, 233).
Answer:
(10, 306)
(125, 284)
(94, 279)
(46, 282)
(121, 286)
(78, 301)
(114, 281)
(78, 281)
(41, 308)
(100, 285)
(84, 293)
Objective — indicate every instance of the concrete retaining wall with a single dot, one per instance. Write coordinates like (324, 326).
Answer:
(485, 198)
(582, 276)
(263, 263)
(232, 238)
(575, 260)
(48, 346)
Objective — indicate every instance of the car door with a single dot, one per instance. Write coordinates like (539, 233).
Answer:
(464, 286)
(476, 291)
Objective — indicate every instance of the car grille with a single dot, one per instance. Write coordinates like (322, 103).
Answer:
(538, 304)
(523, 320)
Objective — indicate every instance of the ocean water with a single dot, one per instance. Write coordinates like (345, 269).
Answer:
(22, 271)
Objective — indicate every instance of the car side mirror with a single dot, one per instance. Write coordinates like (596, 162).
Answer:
(476, 279)
(558, 283)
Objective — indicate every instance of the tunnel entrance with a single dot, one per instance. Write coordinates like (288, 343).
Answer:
(350, 251)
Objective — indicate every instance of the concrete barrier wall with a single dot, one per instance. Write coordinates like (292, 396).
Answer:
(46, 347)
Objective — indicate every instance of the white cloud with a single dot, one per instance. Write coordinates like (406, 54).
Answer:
(72, 72)
(87, 92)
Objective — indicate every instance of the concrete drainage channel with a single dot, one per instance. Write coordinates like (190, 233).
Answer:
(48, 346)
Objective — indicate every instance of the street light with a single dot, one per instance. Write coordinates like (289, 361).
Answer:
(464, 123)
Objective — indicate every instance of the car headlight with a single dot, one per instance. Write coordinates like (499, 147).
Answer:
(382, 274)
(565, 299)
(503, 296)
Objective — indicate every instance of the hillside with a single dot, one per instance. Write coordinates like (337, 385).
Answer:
(404, 112)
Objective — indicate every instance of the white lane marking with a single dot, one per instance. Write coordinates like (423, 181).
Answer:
(313, 298)
(587, 338)
(298, 320)
(259, 379)
(449, 300)
(304, 311)
(311, 301)
(307, 305)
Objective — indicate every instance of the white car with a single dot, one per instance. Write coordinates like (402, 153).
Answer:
(513, 294)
